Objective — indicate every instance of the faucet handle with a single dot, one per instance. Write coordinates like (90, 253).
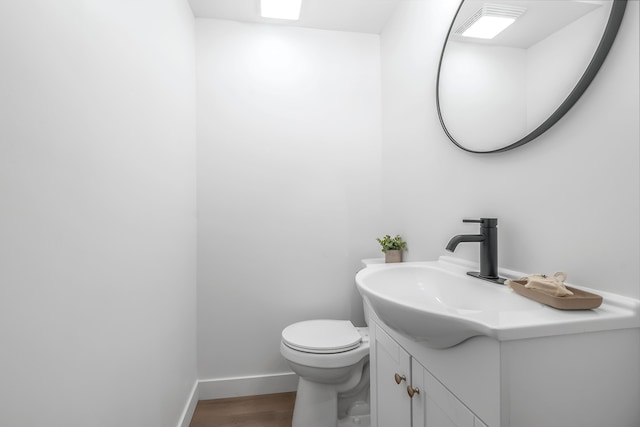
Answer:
(485, 222)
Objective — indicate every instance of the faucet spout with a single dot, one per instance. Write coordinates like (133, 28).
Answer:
(456, 240)
(488, 239)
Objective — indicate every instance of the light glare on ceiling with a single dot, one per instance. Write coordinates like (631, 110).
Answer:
(281, 9)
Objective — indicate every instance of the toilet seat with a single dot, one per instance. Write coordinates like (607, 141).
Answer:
(322, 336)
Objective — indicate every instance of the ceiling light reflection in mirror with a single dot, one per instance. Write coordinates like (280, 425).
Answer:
(489, 21)
(499, 93)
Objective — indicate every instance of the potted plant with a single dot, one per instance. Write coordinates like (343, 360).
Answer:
(392, 248)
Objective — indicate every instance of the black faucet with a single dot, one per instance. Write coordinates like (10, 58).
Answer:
(488, 239)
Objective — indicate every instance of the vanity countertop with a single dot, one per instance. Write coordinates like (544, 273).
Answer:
(437, 302)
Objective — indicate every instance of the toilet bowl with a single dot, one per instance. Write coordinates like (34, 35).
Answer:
(331, 358)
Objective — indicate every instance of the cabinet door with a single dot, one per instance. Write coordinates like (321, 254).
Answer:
(390, 404)
(479, 423)
(434, 405)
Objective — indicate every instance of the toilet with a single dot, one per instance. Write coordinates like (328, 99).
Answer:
(331, 358)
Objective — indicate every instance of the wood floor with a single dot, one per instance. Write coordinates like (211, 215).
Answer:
(269, 410)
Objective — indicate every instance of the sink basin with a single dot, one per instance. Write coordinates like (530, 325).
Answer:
(438, 303)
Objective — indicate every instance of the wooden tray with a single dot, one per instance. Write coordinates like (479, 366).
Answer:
(580, 300)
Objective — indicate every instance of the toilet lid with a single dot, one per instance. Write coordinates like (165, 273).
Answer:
(322, 336)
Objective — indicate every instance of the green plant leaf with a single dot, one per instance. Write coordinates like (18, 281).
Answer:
(392, 243)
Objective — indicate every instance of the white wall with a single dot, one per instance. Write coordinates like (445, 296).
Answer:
(288, 185)
(475, 113)
(97, 212)
(568, 201)
(555, 63)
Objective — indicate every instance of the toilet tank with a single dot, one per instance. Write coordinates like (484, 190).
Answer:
(367, 262)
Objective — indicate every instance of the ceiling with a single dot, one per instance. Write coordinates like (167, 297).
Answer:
(541, 19)
(361, 16)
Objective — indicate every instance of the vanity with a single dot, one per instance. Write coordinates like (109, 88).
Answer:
(450, 350)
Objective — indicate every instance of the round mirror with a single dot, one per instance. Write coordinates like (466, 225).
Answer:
(510, 69)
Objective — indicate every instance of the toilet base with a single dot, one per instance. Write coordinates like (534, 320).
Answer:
(358, 415)
(313, 402)
(355, 421)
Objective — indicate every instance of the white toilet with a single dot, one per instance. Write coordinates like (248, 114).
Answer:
(331, 358)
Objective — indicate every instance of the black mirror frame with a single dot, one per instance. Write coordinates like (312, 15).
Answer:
(609, 35)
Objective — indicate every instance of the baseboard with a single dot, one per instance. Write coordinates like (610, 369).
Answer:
(219, 388)
(190, 407)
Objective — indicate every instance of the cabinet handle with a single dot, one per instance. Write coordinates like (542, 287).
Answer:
(399, 378)
(411, 391)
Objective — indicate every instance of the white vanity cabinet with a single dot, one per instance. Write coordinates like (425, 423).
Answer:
(390, 376)
(576, 380)
(435, 406)
(479, 354)
(405, 394)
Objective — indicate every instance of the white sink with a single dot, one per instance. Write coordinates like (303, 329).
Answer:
(438, 303)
